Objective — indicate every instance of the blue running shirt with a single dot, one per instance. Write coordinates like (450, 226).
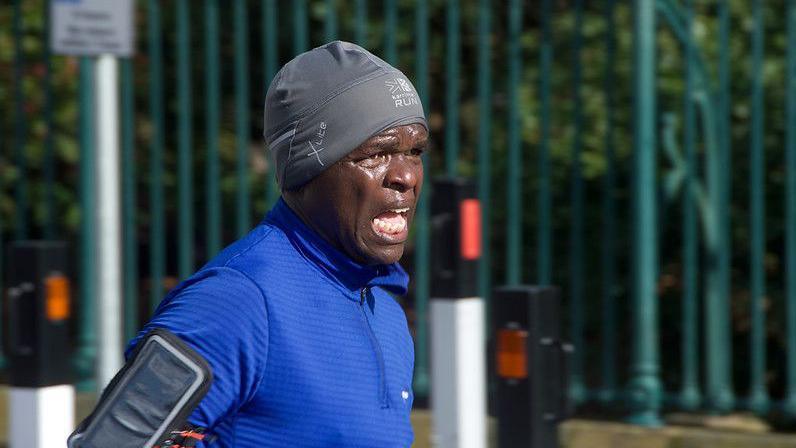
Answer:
(307, 347)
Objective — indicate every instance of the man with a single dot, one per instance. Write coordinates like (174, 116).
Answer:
(296, 320)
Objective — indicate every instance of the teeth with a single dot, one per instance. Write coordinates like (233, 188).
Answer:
(388, 227)
(400, 210)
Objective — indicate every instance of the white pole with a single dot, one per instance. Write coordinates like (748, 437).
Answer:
(108, 214)
(458, 374)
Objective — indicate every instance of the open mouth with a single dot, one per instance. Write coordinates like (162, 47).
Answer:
(391, 224)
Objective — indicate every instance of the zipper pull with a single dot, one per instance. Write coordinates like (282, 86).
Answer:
(362, 293)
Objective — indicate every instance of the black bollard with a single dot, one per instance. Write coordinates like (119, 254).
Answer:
(36, 319)
(530, 366)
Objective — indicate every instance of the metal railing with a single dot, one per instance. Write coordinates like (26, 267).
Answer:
(512, 102)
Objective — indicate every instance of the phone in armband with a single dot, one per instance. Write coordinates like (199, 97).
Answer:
(151, 397)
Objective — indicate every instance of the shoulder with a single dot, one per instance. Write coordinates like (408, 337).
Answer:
(217, 287)
(261, 239)
(204, 307)
(222, 315)
(264, 252)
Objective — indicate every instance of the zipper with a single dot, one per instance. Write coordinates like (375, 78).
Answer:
(384, 397)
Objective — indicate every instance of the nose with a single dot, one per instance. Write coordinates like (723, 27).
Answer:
(402, 175)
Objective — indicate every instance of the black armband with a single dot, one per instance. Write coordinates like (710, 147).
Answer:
(150, 398)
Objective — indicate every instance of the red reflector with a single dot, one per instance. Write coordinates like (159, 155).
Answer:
(511, 354)
(470, 230)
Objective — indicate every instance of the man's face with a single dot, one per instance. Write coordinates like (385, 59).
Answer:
(364, 203)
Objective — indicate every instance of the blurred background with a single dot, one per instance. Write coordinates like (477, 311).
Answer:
(641, 156)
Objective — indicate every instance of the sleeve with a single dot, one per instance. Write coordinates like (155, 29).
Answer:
(221, 313)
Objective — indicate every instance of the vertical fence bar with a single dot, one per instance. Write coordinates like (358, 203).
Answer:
(422, 251)
(129, 201)
(212, 105)
(544, 231)
(577, 388)
(2, 287)
(2, 251)
(184, 142)
(514, 159)
(484, 145)
(422, 242)
(361, 22)
(725, 179)
(608, 248)
(242, 115)
(330, 24)
(390, 18)
(758, 397)
(20, 131)
(2, 270)
(689, 398)
(300, 38)
(270, 55)
(790, 216)
(717, 279)
(87, 339)
(452, 88)
(645, 387)
(49, 156)
(157, 239)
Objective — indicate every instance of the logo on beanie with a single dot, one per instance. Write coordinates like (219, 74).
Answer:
(316, 143)
(397, 85)
(401, 92)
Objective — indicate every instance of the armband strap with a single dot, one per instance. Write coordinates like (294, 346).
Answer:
(150, 398)
(186, 438)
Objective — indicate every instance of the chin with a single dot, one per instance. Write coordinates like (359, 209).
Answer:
(388, 256)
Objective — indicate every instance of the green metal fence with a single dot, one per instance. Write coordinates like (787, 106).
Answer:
(680, 284)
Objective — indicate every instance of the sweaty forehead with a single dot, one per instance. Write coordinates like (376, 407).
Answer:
(395, 138)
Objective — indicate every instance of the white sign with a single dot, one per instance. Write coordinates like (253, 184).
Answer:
(92, 27)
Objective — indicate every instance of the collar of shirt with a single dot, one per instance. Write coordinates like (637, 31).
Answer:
(335, 264)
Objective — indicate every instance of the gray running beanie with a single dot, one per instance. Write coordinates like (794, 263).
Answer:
(326, 102)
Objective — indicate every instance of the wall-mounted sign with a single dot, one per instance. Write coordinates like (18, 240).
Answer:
(92, 27)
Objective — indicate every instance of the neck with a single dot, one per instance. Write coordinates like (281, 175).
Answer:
(293, 200)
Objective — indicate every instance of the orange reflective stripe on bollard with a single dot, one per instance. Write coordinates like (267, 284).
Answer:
(511, 354)
(57, 298)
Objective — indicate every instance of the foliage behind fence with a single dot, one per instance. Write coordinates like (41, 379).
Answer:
(538, 101)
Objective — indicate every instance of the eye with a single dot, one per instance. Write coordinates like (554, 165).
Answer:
(417, 151)
(377, 157)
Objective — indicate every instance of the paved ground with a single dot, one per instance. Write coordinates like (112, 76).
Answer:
(593, 434)
(421, 420)
(574, 433)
